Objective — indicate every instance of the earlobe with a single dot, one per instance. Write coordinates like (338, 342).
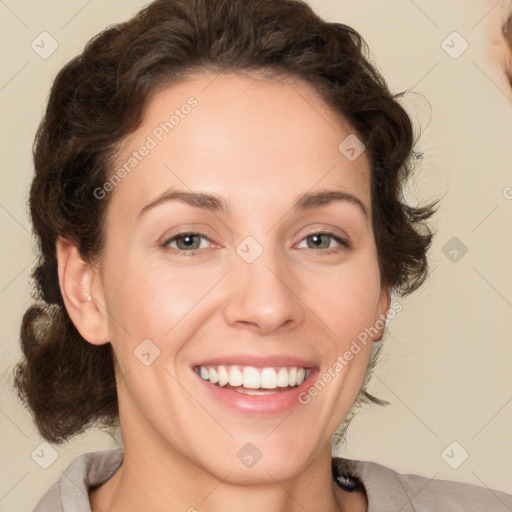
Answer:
(82, 294)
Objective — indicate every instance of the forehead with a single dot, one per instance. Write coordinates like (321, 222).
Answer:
(243, 136)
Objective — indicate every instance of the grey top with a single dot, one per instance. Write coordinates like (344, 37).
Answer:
(387, 490)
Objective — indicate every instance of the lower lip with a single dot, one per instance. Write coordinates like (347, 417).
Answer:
(271, 404)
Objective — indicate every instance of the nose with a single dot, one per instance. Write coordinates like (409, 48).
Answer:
(264, 295)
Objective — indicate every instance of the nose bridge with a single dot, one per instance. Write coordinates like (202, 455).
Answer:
(262, 287)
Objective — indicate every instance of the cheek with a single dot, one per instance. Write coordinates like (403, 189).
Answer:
(346, 297)
(147, 299)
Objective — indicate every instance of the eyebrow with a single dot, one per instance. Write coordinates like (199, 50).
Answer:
(315, 199)
(202, 200)
(214, 203)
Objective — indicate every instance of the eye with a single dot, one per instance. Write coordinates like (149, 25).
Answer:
(186, 242)
(324, 242)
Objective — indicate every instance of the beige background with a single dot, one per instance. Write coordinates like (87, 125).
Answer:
(446, 367)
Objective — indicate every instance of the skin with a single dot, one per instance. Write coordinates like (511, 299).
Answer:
(260, 144)
(497, 26)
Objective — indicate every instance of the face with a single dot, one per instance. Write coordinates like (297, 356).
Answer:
(224, 261)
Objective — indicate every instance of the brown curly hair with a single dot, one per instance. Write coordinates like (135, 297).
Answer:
(99, 97)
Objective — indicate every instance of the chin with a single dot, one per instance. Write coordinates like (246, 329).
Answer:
(250, 460)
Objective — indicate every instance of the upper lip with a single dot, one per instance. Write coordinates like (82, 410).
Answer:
(257, 361)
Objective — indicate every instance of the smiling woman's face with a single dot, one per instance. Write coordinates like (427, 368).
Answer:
(256, 285)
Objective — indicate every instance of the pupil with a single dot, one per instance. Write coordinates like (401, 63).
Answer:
(188, 240)
(317, 240)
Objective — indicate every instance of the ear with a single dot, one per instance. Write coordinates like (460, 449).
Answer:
(81, 289)
(382, 311)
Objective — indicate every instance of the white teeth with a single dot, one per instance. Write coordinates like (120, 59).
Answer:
(282, 378)
(223, 376)
(268, 378)
(292, 376)
(252, 378)
(235, 377)
(212, 375)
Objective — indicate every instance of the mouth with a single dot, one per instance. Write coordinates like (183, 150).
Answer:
(254, 381)
(255, 390)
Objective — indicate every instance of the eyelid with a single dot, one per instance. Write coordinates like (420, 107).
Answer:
(343, 241)
(168, 239)
(325, 229)
(192, 228)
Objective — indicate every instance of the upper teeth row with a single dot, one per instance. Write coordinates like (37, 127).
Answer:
(254, 378)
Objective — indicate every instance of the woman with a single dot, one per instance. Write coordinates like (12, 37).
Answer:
(218, 202)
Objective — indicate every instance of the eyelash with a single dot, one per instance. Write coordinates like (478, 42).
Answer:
(344, 243)
(165, 245)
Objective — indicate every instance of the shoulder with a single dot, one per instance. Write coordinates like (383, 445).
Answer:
(50, 501)
(389, 490)
(71, 492)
